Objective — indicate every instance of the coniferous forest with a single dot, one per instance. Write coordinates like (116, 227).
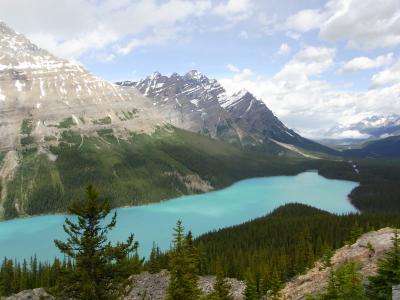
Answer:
(265, 252)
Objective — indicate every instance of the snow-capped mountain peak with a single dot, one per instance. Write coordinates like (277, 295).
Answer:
(196, 75)
(197, 103)
(39, 88)
(375, 126)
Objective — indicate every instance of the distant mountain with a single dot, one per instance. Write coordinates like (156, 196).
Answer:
(383, 148)
(378, 126)
(197, 103)
(373, 127)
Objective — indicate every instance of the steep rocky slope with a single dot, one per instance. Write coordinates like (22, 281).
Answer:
(43, 101)
(315, 280)
(197, 103)
(41, 95)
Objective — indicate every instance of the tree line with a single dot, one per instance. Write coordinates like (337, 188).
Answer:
(265, 252)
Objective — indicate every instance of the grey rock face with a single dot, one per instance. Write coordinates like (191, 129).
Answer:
(37, 86)
(190, 101)
(42, 97)
(197, 103)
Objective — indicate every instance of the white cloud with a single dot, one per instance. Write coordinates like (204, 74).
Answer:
(232, 68)
(158, 37)
(349, 134)
(235, 10)
(309, 105)
(362, 23)
(307, 62)
(386, 77)
(284, 49)
(364, 63)
(305, 20)
(73, 28)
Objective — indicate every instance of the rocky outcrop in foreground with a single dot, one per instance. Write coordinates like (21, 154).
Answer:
(145, 286)
(366, 251)
(35, 294)
(153, 286)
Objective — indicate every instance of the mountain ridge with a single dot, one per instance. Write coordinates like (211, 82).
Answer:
(195, 102)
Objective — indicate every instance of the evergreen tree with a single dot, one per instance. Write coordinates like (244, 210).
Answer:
(6, 278)
(355, 233)
(275, 284)
(380, 286)
(250, 293)
(221, 288)
(345, 283)
(154, 263)
(183, 267)
(101, 270)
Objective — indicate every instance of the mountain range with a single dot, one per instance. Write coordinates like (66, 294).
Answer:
(62, 128)
(194, 102)
(370, 128)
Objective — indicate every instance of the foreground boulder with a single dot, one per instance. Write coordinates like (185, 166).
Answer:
(35, 294)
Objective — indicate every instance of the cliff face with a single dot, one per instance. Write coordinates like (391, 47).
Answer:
(367, 250)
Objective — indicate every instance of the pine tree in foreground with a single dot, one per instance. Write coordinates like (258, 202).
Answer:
(154, 264)
(183, 267)
(101, 270)
(221, 288)
(380, 287)
(250, 293)
(345, 283)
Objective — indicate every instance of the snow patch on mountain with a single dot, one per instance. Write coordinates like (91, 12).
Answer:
(195, 102)
(376, 126)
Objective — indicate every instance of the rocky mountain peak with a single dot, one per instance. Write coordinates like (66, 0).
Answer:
(40, 89)
(195, 102)
(195, 75)
(155, 75)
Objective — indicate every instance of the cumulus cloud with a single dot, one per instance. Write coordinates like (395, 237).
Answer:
(387, 77)
(305, 20)
(284, 49)
(76, 27)
(309, 105)
(235, 10)
(349, 134)
(309, 61)
(362, 23)
(232, 68)
(364, 63)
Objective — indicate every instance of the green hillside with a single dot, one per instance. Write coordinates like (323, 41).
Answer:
(138, 169)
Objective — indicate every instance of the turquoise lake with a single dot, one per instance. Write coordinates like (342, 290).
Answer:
(243, 201)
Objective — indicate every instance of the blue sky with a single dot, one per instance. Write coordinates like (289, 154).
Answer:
(316, 64)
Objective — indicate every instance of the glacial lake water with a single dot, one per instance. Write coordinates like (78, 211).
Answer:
(243, 201)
